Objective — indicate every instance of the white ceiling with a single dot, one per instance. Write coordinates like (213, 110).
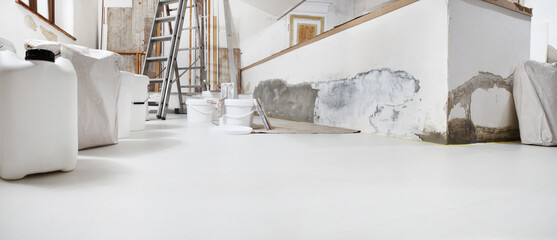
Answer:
(275, 7)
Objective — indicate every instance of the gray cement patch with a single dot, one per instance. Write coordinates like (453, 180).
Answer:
(286, 101)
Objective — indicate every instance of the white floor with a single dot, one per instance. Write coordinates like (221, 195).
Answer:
(175, 181)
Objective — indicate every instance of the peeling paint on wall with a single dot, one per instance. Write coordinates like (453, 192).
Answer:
(380, 101)
(50, 36)
(284, 101)
(462, 129)
(30, 23)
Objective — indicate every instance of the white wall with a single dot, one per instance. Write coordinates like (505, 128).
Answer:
(544, 27)
(14, 27)
(411, 39)
(486, 38)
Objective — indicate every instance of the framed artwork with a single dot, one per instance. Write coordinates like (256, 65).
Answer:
(304, 27)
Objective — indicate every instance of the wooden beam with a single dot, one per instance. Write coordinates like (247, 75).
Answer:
(51, 11)
(350, 24)
(513, 6)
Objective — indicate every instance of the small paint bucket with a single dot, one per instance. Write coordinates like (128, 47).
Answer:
(200, 110)
(239, 112)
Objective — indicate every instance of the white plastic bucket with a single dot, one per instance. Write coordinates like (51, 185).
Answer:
(239, 112)
(139, 102)
(125, 104)
(200, 110)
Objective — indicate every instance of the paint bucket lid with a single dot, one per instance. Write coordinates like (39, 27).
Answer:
(239, 102)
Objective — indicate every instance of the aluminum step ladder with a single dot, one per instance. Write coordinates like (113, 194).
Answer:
(171, 72)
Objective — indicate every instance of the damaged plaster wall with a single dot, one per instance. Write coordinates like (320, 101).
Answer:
(361, 56)
(380, 101)
(21, 24)
(483, 53)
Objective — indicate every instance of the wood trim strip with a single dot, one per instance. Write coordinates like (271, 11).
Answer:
(511, 6)
(46, 20)
(350, 24)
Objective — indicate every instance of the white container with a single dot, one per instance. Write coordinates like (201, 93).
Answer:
(200, 110)
(238, 112)
(38, 116)
(139, 102)
(125, 104)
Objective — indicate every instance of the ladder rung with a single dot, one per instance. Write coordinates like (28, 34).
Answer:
(189, 28)
(190, 6)
(165, 19)
(161, 38)
(192, 86)
(188, 68)
(157, 59)
(188, 49)
(168, 1)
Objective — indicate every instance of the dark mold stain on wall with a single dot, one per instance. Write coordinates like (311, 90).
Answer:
(463, 130)
(285, 101)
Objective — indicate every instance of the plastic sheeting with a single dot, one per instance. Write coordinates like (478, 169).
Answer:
(98, 74)
(535, 96)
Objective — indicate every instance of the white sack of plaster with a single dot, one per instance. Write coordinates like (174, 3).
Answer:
(380, 102)
(98, 74)
(535, 95)
(6, 45)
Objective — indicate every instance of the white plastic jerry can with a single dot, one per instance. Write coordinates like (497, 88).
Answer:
(38, 114)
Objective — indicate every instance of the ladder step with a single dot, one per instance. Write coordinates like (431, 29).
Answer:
(161, 38)
(188, 68)
(190, 6)
(168, 1)
(157, 59)
(165, 19)
(188, 49)
(190, 28)
(192, 86)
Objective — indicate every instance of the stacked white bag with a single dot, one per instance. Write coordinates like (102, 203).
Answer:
(535, 96)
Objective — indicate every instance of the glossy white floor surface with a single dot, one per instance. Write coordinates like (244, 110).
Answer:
(175, 181)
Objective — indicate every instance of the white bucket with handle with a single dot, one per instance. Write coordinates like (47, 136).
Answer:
(239, 112)
(200, 110)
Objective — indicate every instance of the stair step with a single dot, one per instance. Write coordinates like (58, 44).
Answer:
(157, 59)
(165, 19)
(161, 38)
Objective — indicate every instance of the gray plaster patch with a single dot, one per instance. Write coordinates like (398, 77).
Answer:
(463, 130)
(285, 101)
(50, 36)
(30, 23)
(376, 101)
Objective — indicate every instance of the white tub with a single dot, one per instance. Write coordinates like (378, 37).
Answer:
(200, 110)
